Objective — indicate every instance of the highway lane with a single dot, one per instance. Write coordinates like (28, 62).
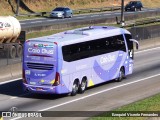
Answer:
(50, 21)
(144, 82)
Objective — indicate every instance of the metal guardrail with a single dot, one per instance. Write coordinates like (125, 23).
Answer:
(33, 14)
(113, 8)
(143, 22)
(77, 11)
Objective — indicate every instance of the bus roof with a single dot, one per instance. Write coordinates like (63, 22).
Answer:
(78, 35)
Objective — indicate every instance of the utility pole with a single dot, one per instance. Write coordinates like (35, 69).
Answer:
(18, 4)
(122, 13)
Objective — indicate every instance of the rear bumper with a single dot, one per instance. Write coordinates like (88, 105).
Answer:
(56, 16)
(129, 9)
(46, 89)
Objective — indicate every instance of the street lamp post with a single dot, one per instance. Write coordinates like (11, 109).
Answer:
(122, 13)
(18, 4)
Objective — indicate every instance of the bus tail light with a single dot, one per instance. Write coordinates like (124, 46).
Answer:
(23, 77)
(57, 79)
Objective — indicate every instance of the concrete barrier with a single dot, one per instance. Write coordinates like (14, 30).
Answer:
(5, 72)
(16, 70)
(12, 71)
(149, 43)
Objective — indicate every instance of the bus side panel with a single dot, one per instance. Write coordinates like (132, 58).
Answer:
(64, 85)
(106, 66)
(98, 69)
(64, 75)
(130, 54)
(77, 70)
(100, 72)
(121, 61)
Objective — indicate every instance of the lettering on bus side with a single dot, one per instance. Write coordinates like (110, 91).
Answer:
(43, 51)
(107, 59)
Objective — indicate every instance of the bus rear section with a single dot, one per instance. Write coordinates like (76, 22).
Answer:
(40, 67)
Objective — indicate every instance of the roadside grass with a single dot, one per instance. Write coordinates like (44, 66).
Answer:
(42, 33)
(149, 104)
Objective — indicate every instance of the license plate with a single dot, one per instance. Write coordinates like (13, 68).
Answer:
(39, 89)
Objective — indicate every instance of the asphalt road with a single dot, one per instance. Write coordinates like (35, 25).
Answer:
(144, 82)
(92, 16)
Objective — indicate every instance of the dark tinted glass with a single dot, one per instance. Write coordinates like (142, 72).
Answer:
(67, 9)
(93, 48)
(58, 9)
(129, 43)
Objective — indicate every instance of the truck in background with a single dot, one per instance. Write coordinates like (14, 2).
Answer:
(11, 37)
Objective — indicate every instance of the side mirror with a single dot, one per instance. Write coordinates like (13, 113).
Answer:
(137, 46)
(135, 41)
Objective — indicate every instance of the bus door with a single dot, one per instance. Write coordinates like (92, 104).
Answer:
(40, 63)
(130, 41)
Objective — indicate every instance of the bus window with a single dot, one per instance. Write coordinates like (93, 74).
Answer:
(93, 48)
(118, 43)
(76, 51)
(130, 45)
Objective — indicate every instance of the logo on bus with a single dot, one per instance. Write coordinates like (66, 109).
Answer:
(43, 45)
(42, 51)
(107, 59)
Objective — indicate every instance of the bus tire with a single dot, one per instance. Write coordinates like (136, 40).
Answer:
(83, 86)
(75, 88)
(121, 75)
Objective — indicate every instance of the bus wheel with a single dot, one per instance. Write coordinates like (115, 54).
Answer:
(83, 86)
(121, 75)
(74, 88)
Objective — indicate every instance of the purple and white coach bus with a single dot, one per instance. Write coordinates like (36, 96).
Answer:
(71, 61)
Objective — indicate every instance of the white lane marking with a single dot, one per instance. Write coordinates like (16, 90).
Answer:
(140, 80)
(9, 81)
(116, 13)
(135, 53)
(87, 96)
(80, 17)
(36, 22)
(51, 20)
(22, 23)
(94, 15)
(151, 10)
(142, 11)
(107, 14)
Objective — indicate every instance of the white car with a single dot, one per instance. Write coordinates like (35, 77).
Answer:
(61, 12)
